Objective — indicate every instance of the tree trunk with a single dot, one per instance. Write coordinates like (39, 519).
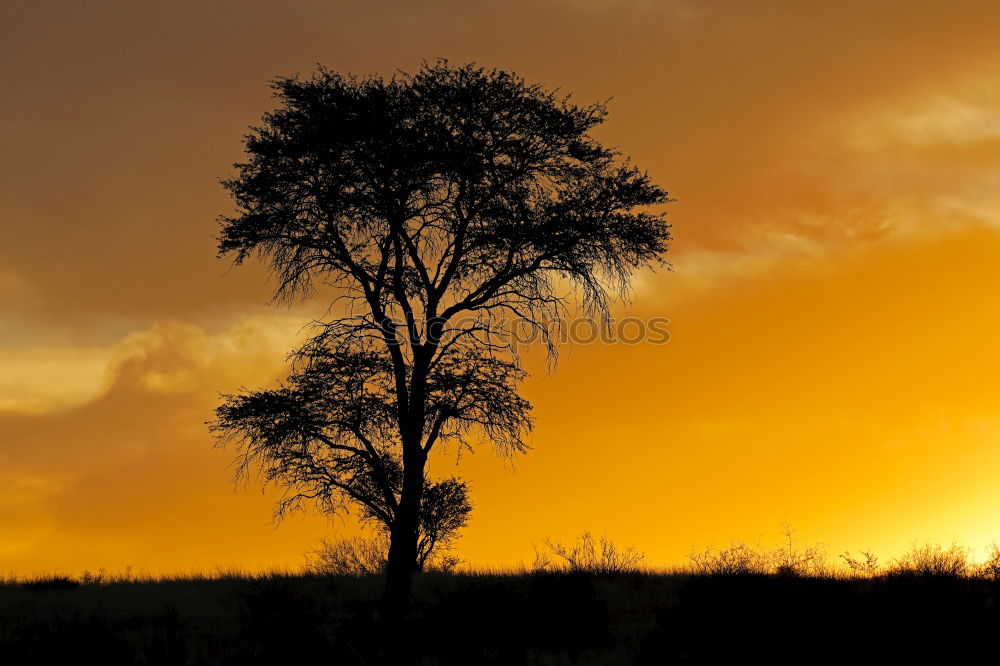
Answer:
(402, 558)
(400, 566)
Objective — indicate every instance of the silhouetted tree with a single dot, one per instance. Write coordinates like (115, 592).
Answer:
(327, 436)
(446, 208)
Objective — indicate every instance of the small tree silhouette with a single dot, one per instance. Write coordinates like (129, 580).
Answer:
(325, 437)
(448, 210)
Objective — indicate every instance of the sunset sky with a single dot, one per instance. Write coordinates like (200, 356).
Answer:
(833, 306)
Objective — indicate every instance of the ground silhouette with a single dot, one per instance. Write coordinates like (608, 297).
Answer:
(507, 619)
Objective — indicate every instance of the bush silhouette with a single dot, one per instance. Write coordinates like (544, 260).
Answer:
(742, 559)
(933, 560)
(588, 555)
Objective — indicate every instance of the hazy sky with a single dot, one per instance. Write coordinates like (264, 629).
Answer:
(834, 311)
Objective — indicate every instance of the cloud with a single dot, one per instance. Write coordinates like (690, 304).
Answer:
(961, 112)
(126, 473)
(913, 162)
(169, 357)
(46, 378)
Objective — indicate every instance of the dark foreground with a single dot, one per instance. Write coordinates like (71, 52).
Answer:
(505, 619)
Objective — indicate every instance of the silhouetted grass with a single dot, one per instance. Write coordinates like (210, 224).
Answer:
(526, 617)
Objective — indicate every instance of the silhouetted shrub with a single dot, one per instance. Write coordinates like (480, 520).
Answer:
(741, 559)
(350, 556)
(933, 560)
(737, 559)
(589, 556)
(990, 567)
(368, 555)
(865, 565)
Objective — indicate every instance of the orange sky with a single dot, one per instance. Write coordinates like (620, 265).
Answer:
(833, 307)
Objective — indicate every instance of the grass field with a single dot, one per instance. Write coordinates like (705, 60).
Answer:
(515, 618)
